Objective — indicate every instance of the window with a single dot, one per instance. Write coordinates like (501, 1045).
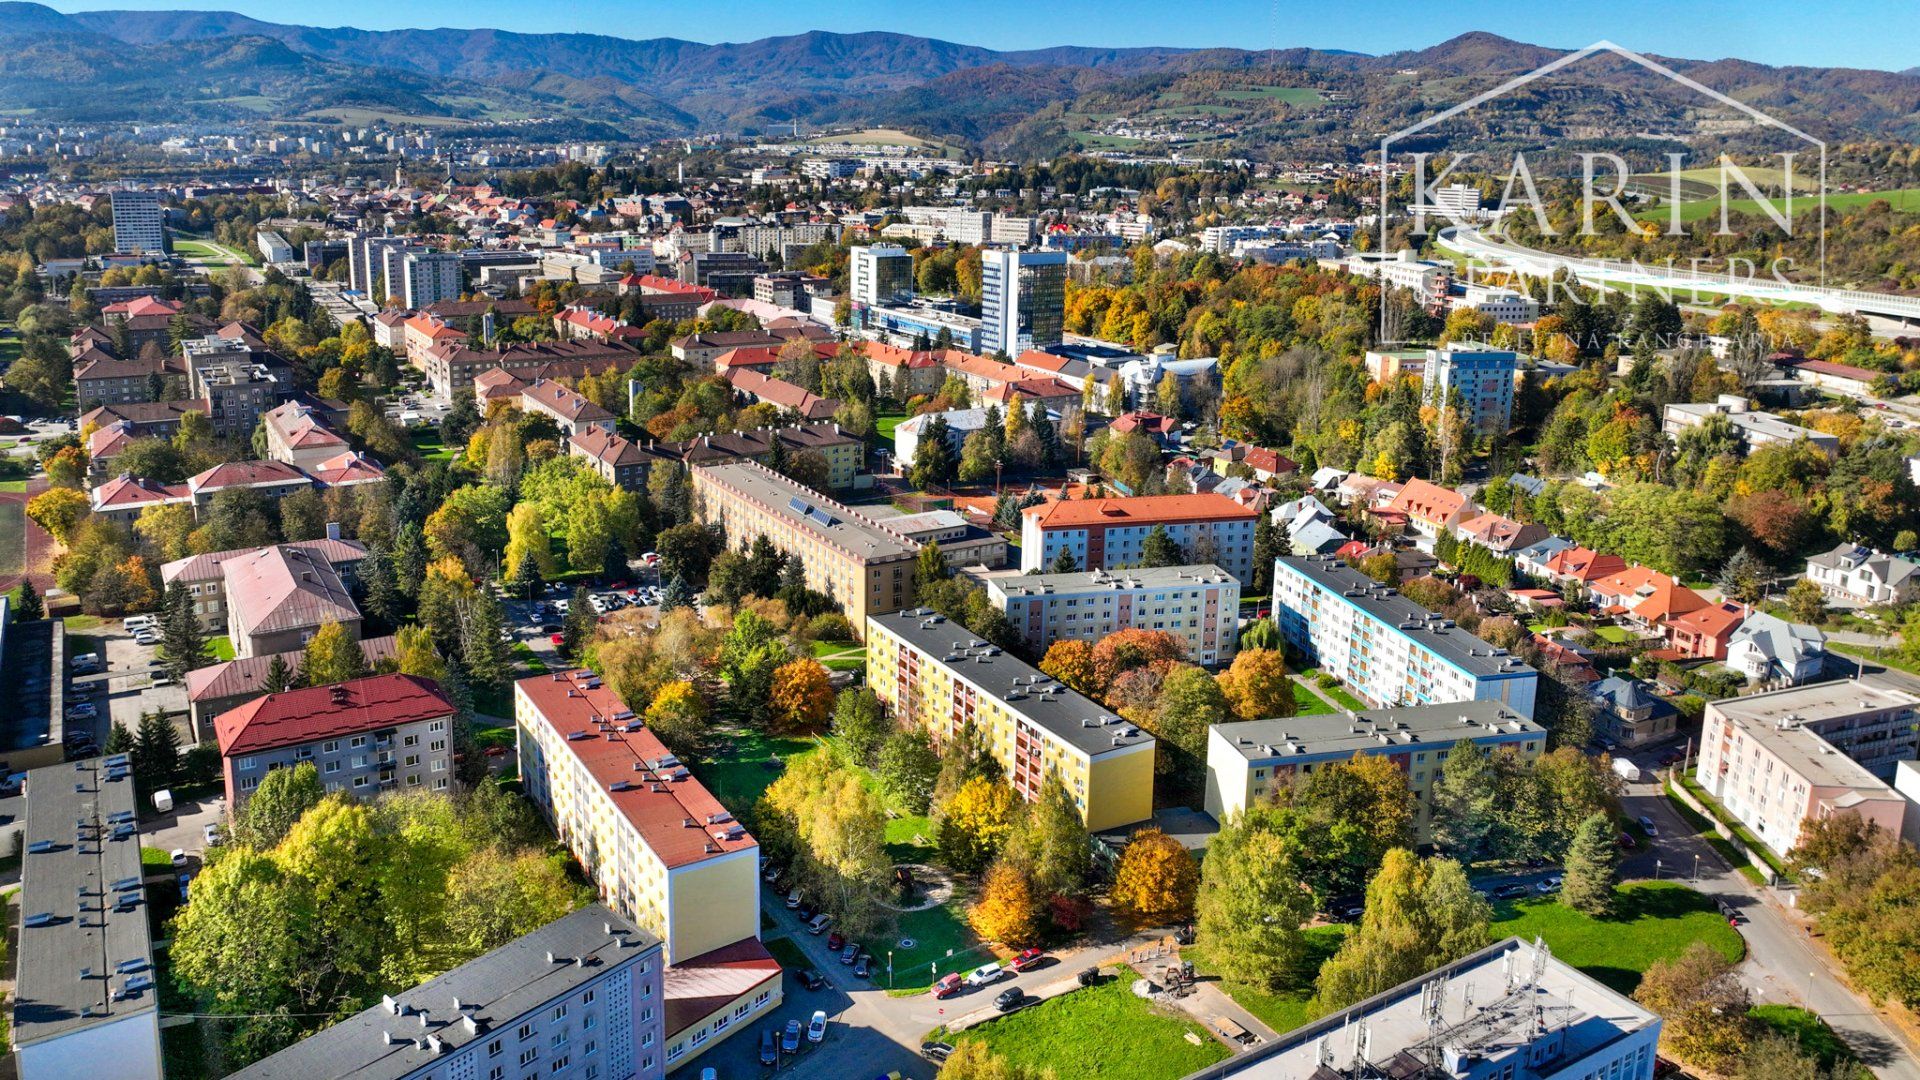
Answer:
(437, 725)
(493, 1048)
(559, 1012)
(331, 746)
(586, 998)
(359, 781)
(331, 767)
(411, 740)
(497, 1072)
(358, 741)
(437, 745)
(247, 764)
(527, 1055)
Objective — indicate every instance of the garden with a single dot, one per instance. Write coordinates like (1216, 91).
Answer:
(1101, 1032)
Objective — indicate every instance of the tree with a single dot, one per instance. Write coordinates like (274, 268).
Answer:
(1703, 1005)
(1591, 873)
(577, 630)
(801, 695)
(119, 739)
(183, 646)
(1466, 815)
(750, 656)
(1064, 563)
(970, 827)
(528, 543)
(931, 566)
(1744, 577)
(859, 722)
(1251, 902)
(907, 767)
(1191, 703)
(279, 677)
(155, 756)
(27, 606)
(58, 510)
(1050, 844)
(1420, 914)
(414, 654)
(1159, 549)
(1071, 661)
(1007, 908)
(1257, 686)
(332, 656)
(933, 460)
(682, 720)
(1124, 650)
(1804, 600)
(381, 597)
(1156, 881)
(281, 799)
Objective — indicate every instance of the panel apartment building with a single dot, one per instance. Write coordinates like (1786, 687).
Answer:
(861, 563)
(578, 999)
(1198, 604)
(1780, 759)
(1385, 647)
(660, 848)
(1248, 761)
(364, 737)
(933, 672)
(1107, 534)
(84, 1002)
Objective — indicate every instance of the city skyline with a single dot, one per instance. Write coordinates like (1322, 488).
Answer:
(1768, 32)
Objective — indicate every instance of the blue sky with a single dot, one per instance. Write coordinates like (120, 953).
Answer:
(1845, 33)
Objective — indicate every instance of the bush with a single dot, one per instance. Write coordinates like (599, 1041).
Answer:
(832, 626)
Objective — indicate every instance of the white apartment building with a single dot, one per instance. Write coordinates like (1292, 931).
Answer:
(1754, 428)
(1780, 759)
(1505, 305)
(1109, 534)
(428, 277)
(1385, 647)
(139, 224)
(1199, 604)
(1428, 281)
(879, 274)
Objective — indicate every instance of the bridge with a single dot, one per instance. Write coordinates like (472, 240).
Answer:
(1471, 243)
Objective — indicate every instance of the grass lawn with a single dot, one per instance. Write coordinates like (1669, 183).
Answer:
(1807, 1029)
(1904, 199)
(15, 486)
(1287, 1009)
(154, 860)
(13, 537)
(1613, 635)
(1308, 703)
(747, 765)
(1099, 1032)
(528, 660)
(883, 426)
(1657, 920)
(943, 942)
(222, 647)
(845, 655)
(785, 950)
(80, 624)
(426, 441)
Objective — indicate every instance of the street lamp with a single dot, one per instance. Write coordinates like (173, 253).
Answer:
(1696, 868)
(1656, 869)
(889, 969)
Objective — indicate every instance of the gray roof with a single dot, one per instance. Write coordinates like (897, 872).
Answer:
(1891, 570)
(1816, 704)
(1155, 577)
(496, 989)
(1337, 735)
(1532, 485)
(91, 962)
(1450, 643)
(1627, 694)
(841, 525)
(1074, 720)
(1778, 638)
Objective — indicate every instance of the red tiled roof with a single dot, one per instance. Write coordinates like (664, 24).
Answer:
(896, 357)
(981, 367)
(324, 712)
(780, 392)
(1144, 421)
(1649, 594)
(1427, 502)
(1844, 371)
(285, 588)
(143, 306)
(248, 675)
(300, 428)
(244, 474)
(570, 702)
(1584, 564)
(603, 445)
(1717, 621)
(568, 403)
(126, 490)
(207, 567)
(1138, 510)
(696, 987)
(351, 467)
(1261, 459)
(1042, 388)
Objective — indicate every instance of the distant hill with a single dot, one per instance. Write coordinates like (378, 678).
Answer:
(152, 64)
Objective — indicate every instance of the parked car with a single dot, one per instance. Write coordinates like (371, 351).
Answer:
(211, 834)
(986, 975)
(770, 873)
(1548, 885)
(86, 663)
(819, 924)
(1010, 999)
(1626, 841)
(863, 967)
(812, 979)
(836, 940)
(1028, 958)
(794, 900)
(769, 1048)
(936, 1051)
(1646, 826)
(185, 880)
(179, 857)
(849, 954)
(804, 913)
(558, 640)
(817, 1027)
(790, 1038)
(948, 985)
(83, 711)
(1510, 891)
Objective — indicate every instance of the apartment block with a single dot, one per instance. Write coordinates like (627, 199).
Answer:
(935, 673)
(239, 383)
(364, 736)
(1781, 759)
(139, 224)
(1108, 534)
(661, 850)
(1022, 300)
(1248, 762)
(1481, 376)
(1753, 428)
(1384, 646)
(428, 277)
(864, 565)
(1198, 604)
(581, 998)
(1510, 1011)
(84, 1002)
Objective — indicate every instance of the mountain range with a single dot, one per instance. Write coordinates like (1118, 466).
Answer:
(210, 65)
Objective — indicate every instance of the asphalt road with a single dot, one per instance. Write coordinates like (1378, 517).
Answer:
(1781, 966)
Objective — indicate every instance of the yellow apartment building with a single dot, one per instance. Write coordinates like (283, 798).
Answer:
(934, 672)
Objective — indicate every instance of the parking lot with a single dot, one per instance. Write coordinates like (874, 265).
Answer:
(125, 690)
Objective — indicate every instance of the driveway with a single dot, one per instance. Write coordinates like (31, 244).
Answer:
(1781, 966)
(130, 693)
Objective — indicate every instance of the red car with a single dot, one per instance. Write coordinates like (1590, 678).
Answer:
(1027, 958)
(559, 639)
(496, 751)
(835, 940)
(948, 986)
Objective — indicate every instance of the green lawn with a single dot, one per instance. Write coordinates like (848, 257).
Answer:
(1613, 635)
(1100, 1032)
(18, 487)
(1657, 920)
(943, 942)
(426, 441)
(1287, 1009)
(13, 537)
(1811, 1032)
(883, 426)
(746, 766)
(840, 655)
(785, 950)
(154, 860)
(221, 646)
(529, 661)
(1903, 199)
(1308, 703)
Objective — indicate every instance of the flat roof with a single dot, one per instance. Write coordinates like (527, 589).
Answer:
(494, 989)
(1430, 629)
(1074, 720)
(91, 961)
(1488, 1002)
(1154, 577)
(1375, 730)
(1815, 704)
(33, 699)
(840, 525)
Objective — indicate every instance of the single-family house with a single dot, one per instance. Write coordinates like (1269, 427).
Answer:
(1774, 652)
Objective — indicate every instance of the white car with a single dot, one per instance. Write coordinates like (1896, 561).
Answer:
(986, 975)
(817, 1027)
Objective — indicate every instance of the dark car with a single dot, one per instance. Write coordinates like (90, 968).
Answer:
(812, 979)
(1510, 891)
(769, 1049)
(790, 1038)
(805, 913)
(1010, 999)
(849, 954)
(863, 967)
